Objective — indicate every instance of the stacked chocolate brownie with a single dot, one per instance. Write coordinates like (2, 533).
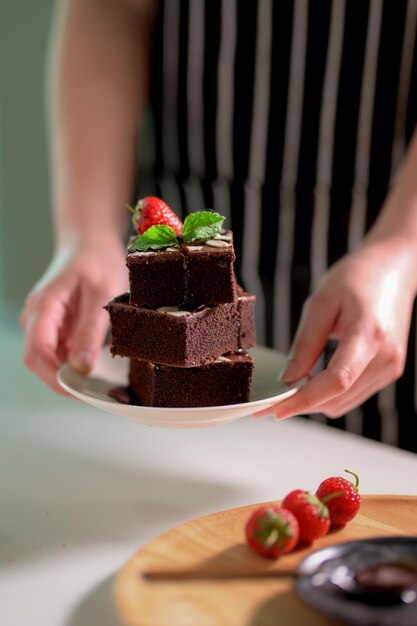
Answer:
(185, 325)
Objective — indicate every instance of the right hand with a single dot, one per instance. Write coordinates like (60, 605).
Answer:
(63, 316)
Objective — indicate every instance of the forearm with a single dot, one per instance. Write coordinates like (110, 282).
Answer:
(98, 87)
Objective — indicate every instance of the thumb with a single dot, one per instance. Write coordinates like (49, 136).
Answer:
(316, 324)
(89, 331)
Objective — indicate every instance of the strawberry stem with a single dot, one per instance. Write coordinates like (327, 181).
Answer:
(330, 496)
(356, 477)
(272, 538)
(130, 208)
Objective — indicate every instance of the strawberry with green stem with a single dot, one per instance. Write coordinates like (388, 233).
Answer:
(312, 514)
(342, 509)
(198, 227)
(151, 211)
(271, 531)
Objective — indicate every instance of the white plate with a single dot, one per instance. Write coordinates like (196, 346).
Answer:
(110, 372)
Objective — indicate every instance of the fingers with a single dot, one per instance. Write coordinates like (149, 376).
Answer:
(89, 330)
(317, 321)
(42, 340)
(381, 372)
(355, 351)
(349, 402)
(60, 328)
(27, 309)
(368, 310)
(63, 316)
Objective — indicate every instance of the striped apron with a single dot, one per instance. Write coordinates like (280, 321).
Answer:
(290, 118)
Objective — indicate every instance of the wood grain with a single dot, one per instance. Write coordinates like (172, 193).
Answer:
(217, 541)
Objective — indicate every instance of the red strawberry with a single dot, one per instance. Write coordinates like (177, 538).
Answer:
(150, 211)
(312, 515)
(272, 531)
(342, 507)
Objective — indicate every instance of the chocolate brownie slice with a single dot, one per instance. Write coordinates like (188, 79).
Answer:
(183, 275)
(185, 338)
(226, 380)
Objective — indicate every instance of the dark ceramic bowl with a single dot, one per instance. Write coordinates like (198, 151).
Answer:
(327, 582)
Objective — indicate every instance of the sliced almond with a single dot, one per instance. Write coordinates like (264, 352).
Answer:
(223, 237)
(194, 248)
(179, 313)
(168, 309)
(217, 243)
(222, 359)
(171, 249)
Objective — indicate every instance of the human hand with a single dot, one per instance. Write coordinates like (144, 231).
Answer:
(365, 302)
(63, 315)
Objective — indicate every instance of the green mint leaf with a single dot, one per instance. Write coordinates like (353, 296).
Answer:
(201, 226)
(155, 238)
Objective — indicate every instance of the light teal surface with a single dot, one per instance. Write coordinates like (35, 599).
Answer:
(25, 232)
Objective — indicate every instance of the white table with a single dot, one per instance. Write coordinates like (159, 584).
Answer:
(80, 489)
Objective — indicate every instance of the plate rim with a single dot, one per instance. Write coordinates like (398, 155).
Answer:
(158, 416)
(293, 389)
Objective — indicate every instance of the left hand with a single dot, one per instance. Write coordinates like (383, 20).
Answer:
(365, 302)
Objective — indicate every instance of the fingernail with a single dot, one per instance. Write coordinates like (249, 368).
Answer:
(82, 361)
(291, 373)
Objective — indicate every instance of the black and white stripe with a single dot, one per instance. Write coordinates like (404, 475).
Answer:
(291, 118)
(170, 144)
(387, 397)
(322, 198)
(291, 148)
(224, 111)
(195, 111)
(257, 159)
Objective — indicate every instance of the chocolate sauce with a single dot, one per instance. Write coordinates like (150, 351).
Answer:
(392, 577)
(124, 395)
(187, 304)
(239, 322)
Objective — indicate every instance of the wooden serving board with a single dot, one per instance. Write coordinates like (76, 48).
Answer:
(218, 540)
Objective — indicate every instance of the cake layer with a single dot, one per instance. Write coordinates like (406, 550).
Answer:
(189, 275)
(184, 338)
(226, 380)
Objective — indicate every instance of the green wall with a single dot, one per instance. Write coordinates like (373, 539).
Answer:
(25, 231)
